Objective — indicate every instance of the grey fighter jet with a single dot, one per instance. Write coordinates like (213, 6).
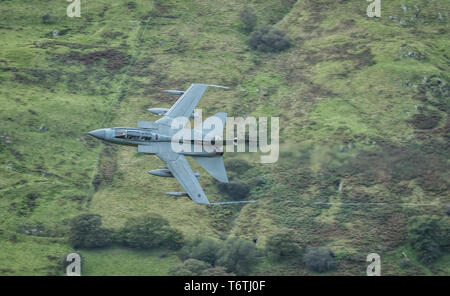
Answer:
(159, 137)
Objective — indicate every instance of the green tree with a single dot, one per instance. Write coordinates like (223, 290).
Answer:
(237, 190)
(319, 259)
(237, 255)
(426, 237)
(447, 209)
(269, 39)
(282, 245)
(206, 251)
(46, 18)
(150, 231)
(86, 232)
(239, 166)
(190, 267)
(216, 271)
(248, 19)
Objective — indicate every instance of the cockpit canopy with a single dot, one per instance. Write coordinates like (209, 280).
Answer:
(120, 133)
(132, 135)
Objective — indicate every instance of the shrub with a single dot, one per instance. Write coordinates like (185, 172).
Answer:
(46, 18)
(281, 246)
(216, 271)
(259, 181)
(201, 249)
(427, 250)
(319, 259)
(426, 237)
(175, 239)
(237, 255)
(239, 166)
(206, 251)
(447, 209)
(190, 267)
(405, 263)
(185, 252)
(248, 19)
(269, 39)
(86, 232)
(131, 5)
(150, 231)
(236, 190)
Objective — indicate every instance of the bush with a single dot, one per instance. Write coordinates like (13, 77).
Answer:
(206, 251)
(46, 18)
(230, 257)
(426, 237)
(269, 39)
(201, 249)
(319, 259)
(238, 166)
(248, 19)
(86, 232)
(281, 246)
(216, 271)
(447, 209)
(150, 231)
(237, 255)
(236, 190)
(190, 267)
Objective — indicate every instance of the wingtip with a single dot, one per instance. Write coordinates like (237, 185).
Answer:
(220, 86)
(215, 85)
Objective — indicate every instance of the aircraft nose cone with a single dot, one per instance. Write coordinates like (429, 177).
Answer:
(99, 133)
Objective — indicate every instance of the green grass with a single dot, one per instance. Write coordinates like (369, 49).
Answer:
(120, 261)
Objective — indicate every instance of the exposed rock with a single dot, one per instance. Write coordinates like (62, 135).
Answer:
(5, 138)
(410, 53)
(341, 184)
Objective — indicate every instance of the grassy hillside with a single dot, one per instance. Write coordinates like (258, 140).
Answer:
(363, 107)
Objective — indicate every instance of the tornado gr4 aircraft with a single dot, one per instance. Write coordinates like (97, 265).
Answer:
(161, 137)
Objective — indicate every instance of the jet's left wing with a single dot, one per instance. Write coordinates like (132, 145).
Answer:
(180, 168)
(186, 103)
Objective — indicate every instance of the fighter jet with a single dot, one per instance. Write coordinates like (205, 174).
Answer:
(158, 138)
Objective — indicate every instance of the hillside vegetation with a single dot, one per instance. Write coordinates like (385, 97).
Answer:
(364, 130)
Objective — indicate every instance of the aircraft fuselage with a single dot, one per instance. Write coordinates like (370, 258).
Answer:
(131, 136)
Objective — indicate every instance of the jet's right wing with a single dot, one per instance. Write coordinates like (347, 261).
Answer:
(186, 103)
(181, 170)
